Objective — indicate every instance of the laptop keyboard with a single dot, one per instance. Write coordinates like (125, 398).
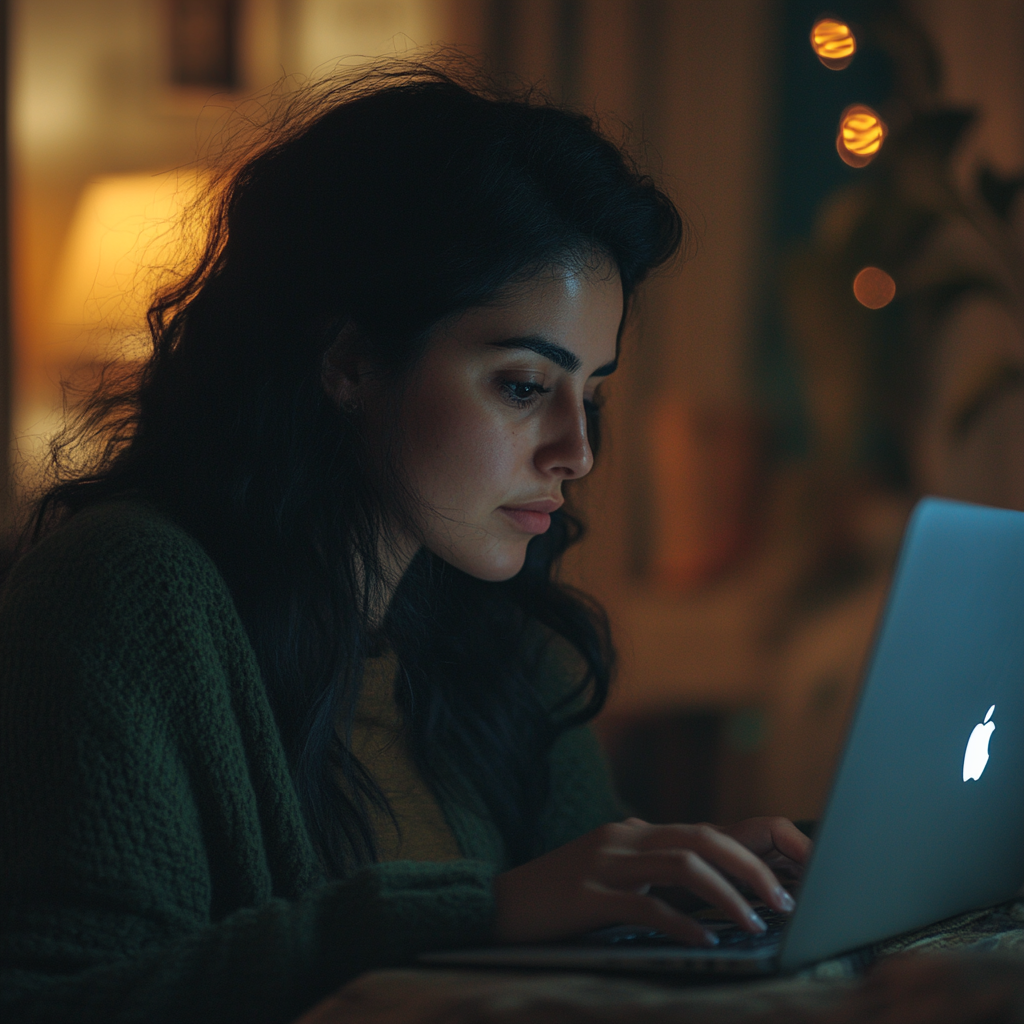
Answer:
(730, 935)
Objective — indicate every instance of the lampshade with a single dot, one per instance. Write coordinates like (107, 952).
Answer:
(130, 235)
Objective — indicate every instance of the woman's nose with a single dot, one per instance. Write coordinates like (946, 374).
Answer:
(565, 450)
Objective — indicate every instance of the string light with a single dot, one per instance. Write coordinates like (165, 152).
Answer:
(874, 288)
(834, 43)
(861, 134)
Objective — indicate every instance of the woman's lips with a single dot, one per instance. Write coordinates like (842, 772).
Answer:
(534, 516)
(527, 521)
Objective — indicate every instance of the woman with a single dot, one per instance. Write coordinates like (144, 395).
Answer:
(289, 689)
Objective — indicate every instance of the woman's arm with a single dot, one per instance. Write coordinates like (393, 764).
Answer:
(582, 796)
(155, 861)
(261, 964)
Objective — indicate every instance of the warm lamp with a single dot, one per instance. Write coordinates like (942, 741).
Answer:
(861, 134)
(128, 236)
(834, 43)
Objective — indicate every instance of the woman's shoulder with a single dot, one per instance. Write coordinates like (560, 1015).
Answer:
(121, 558)
(121, 609)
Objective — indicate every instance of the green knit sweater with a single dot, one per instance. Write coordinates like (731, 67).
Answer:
(155, 862)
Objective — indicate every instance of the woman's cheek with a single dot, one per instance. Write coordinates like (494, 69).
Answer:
(466, 467)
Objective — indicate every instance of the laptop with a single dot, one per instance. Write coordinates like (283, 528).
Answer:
(925, 818)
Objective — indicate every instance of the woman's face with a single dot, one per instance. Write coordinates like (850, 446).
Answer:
(493, 418)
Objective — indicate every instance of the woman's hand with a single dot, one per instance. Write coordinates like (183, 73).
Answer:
(604, 878)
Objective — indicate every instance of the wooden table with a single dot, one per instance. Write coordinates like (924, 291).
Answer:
(970, 968)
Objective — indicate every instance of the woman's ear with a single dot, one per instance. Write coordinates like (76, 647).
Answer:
(345, 369)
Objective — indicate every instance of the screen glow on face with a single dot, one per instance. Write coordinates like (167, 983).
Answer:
(494, 418)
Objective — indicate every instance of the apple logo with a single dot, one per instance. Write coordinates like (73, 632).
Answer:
(976, 754)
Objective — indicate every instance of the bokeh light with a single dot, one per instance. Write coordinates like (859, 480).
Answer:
(861, 134)
(874, 288)
(834, 43)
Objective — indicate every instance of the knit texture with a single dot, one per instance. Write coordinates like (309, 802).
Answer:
(155, 862)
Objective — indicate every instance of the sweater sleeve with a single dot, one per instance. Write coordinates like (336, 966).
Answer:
(155, 863)
(582, 795)
(268, 963)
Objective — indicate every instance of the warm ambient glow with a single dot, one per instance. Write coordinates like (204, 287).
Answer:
(834, 43)
(126, 239)
(874, 288)
(861, 134)
(704, 472)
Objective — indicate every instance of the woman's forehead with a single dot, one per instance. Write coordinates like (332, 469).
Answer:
(578, 311)
(556, 296)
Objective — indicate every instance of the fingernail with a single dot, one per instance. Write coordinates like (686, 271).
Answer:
(710, 938)
(755, 920)
(784, 900)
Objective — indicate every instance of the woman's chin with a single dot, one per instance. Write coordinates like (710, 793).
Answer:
(495, 565)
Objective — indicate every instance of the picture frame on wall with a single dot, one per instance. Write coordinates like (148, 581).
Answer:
(222, 50)
(203, 44)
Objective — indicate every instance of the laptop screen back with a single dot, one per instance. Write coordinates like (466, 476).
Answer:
(916, 829)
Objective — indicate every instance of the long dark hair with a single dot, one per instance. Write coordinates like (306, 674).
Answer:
(389, 202)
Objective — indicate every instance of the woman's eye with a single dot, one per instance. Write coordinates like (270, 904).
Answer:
(521, 392)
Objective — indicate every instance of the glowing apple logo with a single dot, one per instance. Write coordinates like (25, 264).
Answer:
(976, 754)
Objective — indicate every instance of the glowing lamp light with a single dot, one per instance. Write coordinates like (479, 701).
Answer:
(874, 288)
(861, 134)
(834, 43)
(127, 238)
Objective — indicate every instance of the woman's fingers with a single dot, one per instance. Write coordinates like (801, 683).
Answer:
(788, 839)
(763, 835)
(650, 912)
(679, 867)
(604, 878)
(725, 854)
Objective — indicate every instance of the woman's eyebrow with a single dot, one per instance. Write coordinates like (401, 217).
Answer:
(560, 356)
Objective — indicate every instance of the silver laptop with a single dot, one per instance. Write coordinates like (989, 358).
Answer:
(926, 814)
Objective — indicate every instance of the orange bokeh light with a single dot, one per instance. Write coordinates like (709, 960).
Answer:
(861, 134)
(834, 43)
(874, 288)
